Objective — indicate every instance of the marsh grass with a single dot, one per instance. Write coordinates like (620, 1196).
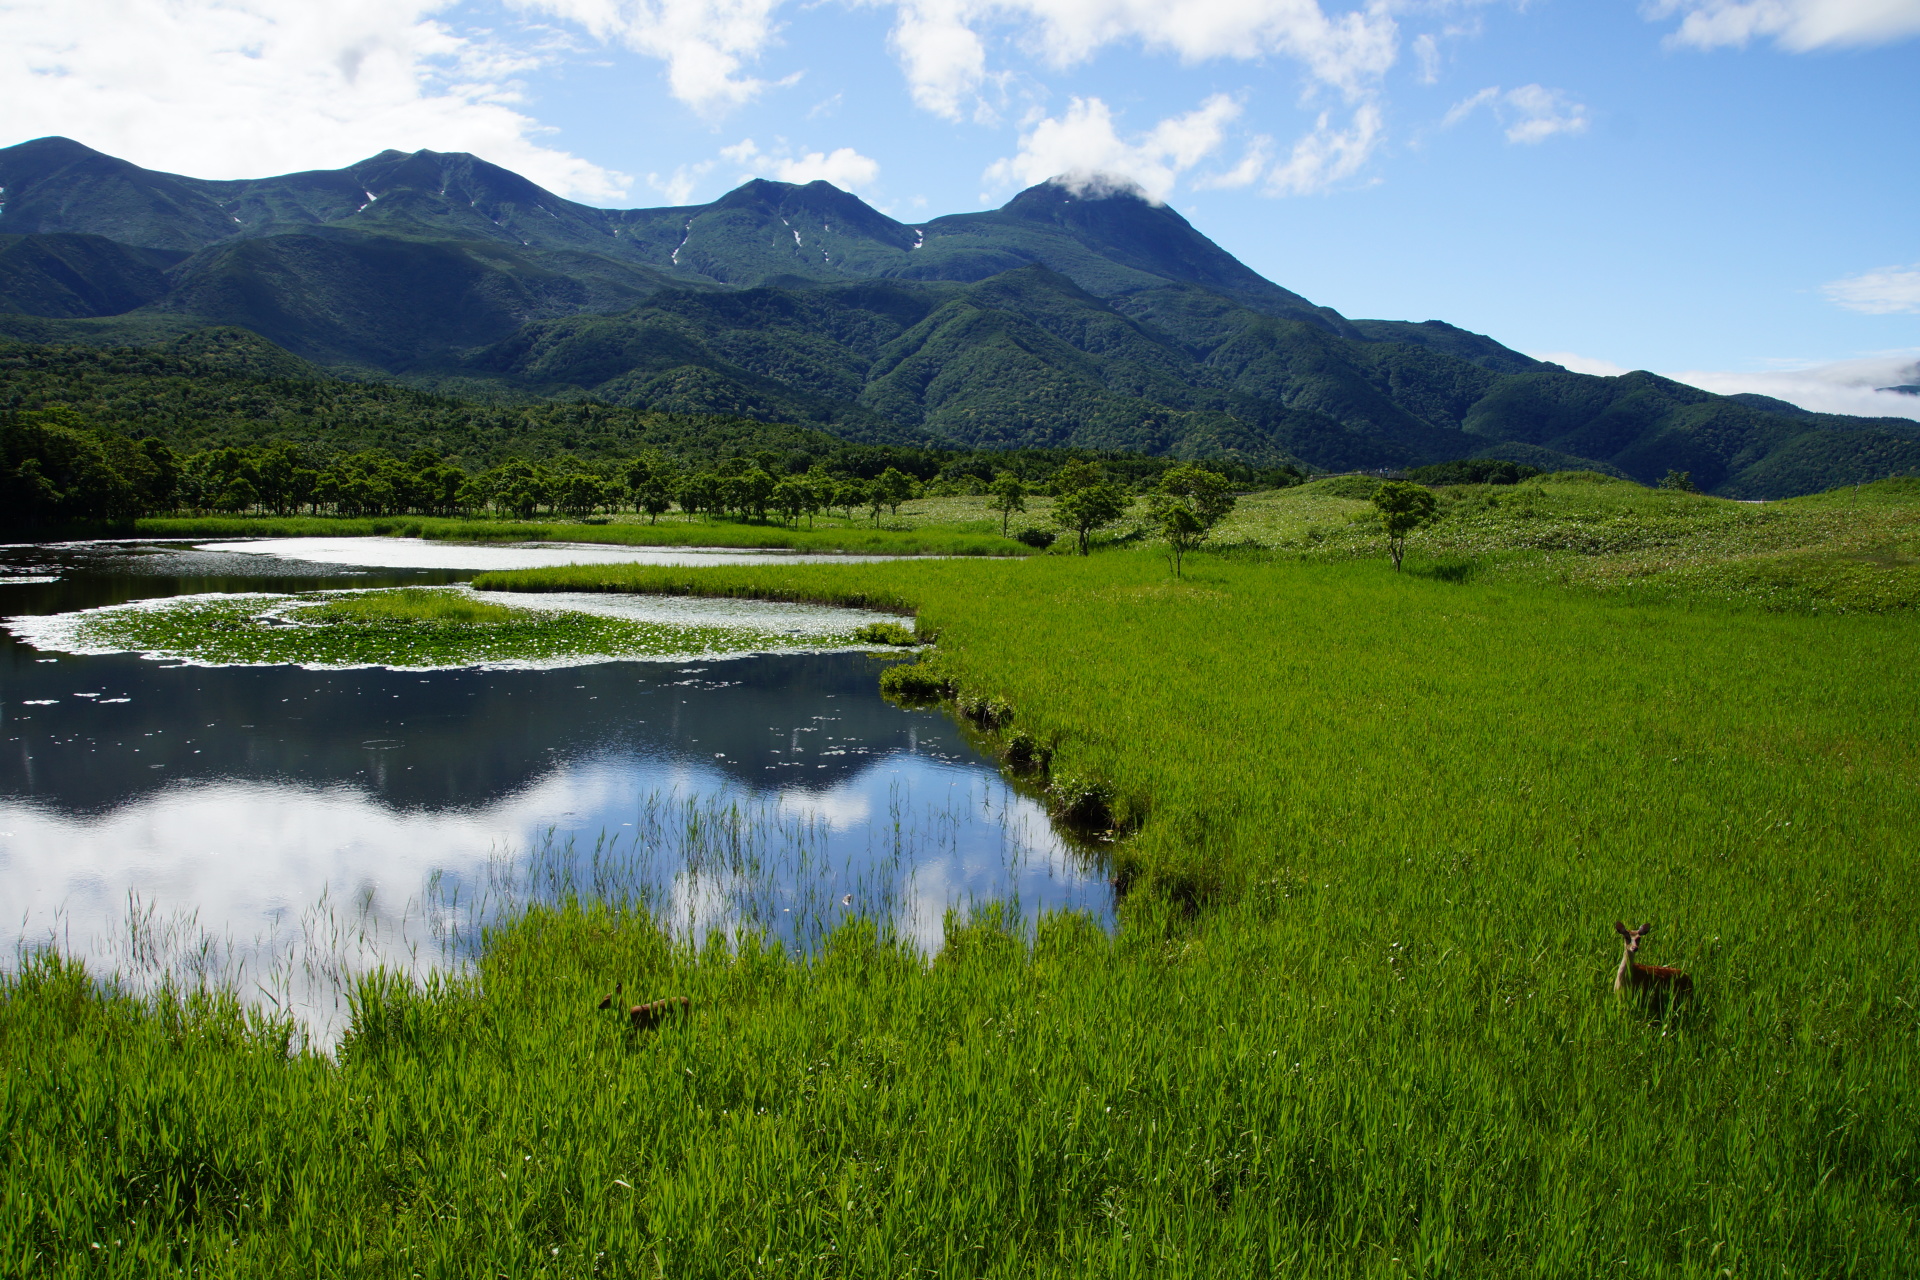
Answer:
(409, 604)
(1356, 1020)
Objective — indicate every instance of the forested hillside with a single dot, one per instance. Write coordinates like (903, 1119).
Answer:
(223, 421)
(1083, 319)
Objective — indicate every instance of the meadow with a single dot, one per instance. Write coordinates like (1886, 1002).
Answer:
(1371, 832)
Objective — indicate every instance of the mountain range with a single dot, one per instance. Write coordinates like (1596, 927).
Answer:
(1067, 317)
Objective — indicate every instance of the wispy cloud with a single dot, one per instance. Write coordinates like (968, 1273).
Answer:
(1839, 386)
(1858, 387)
(1583, 364)
(1532, 113)
(942, 44)
(1329, 154)
(707, 45)
(1881, 291)
(1798, 26)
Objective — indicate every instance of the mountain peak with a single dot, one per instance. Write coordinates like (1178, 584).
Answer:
(1047, 201)
(1094, 184)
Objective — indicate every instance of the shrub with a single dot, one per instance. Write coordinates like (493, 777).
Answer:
(1083, 803)
(1040, 539)
(885, 633)
(1025, 754)
(915, 682)
(988, 713)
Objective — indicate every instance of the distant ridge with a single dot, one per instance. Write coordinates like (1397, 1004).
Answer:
(1073, 314)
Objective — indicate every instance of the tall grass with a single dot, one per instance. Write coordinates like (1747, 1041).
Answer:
(409, 604)
(1356, 1020)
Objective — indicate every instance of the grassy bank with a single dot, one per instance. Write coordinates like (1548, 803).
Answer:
(1356, 1021)
(1855, 549)
(933, 540)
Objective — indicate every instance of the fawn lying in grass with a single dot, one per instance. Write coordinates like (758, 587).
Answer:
(1655, 982)
(645, 1017)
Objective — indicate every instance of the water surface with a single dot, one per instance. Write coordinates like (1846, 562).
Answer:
(299, 823)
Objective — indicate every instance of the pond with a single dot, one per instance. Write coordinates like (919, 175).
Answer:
(286, 825)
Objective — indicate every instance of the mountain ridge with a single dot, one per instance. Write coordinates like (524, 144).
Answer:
(1088, 318)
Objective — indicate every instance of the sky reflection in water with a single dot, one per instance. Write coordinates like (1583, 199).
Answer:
(297, 823)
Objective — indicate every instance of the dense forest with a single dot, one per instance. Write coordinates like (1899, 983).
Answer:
(233, 425)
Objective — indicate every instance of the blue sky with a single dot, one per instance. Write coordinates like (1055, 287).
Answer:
(1723, 190)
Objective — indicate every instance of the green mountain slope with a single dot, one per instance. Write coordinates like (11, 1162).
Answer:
(1093, 319)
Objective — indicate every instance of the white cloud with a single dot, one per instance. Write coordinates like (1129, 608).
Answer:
(944, 59)
(1881, 291)
(1468, 105)
(843, 166)
(1531, 113)
(1583, 364)
(943, 52)
(1247, 172)
(1327, 155)
(1838, 386)
(1426, 51)
(679, 186)
(1797, 26)
(1841, 386)
(1083, 147)
(706, 44)
(244, 88)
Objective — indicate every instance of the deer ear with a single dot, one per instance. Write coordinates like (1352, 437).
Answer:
(1621, 929)
(1643, 931)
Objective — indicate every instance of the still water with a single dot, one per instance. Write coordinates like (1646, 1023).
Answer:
(290, 826)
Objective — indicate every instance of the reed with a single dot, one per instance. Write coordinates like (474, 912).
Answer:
(1357, 1019)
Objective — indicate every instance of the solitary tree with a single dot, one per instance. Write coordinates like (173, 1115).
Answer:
(1403, 508)
(1090, 507)
(1007, 494)
(1185, 506)
(1207, 494)
(1182, 529)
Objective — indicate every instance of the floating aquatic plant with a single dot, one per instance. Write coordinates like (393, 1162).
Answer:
(410, 627)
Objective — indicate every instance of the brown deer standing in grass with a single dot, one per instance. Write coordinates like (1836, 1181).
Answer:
(1657, 983)
(645, 1017)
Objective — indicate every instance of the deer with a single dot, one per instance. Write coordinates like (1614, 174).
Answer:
(645, 1017)
(1656, 982)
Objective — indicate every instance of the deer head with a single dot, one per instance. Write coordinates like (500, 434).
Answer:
(1632, 936)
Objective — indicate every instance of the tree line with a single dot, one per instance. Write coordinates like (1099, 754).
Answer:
(59, 467)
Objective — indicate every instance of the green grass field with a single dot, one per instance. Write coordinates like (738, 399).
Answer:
(1357, 1019)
